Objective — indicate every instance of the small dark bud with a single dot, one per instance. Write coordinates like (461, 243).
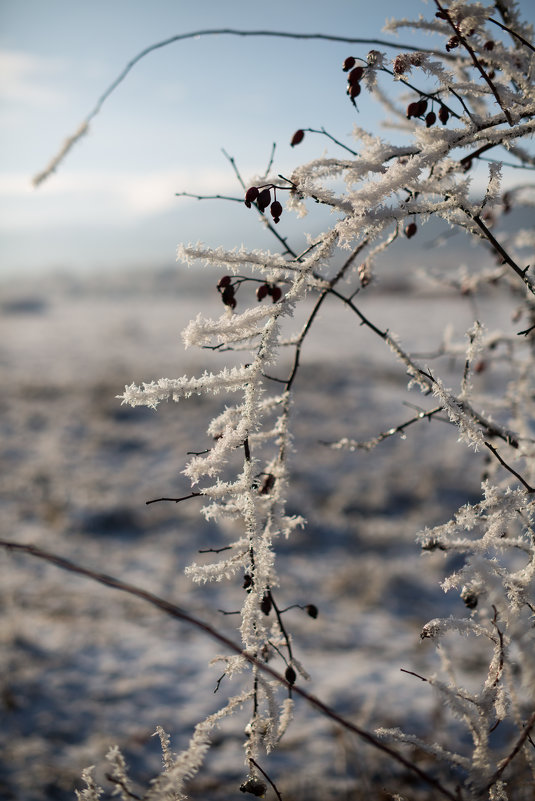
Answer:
(298, 137)
(276, 293)
(422, 107)
(276, 210)
(247, 582)
(410, 230)
(489, 45)
(452, 43)
(266, 604)
(223, 282)
(254, 786)
(412, 110)
(443, 115)
(348, 64)
(441, 15)
(355, 75)
(250, 196)
(262, 291)
(290, 675)
(311, 610)
(430, 119)
(466, 164)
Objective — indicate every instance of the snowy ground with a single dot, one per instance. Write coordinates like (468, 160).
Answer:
(83, 667)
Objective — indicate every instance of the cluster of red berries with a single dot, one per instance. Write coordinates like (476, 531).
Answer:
(354, 78)
(227, 290)
(418, 109)
(268, 289)
(262, 197)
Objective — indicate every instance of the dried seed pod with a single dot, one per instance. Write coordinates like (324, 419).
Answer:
(430, 119)
(268, 484)
(298, 137)
(355, 75)
(276, 211)
(348, 64)
(290, 675)
(251, 195)
(276, 293)
(443, 115)
(262, 291)
(410, 230)
(266, 604)
(254, 786)
(365, 275)
(264, 199)
(469, 597)
(223, 282)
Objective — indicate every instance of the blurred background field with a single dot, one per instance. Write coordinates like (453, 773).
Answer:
(84, 667)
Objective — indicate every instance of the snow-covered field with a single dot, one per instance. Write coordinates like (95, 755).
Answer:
(83, 667)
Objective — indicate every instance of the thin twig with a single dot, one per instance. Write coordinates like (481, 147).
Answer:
(508, 467)
(175, 500)
(512, 33)
(264, 774)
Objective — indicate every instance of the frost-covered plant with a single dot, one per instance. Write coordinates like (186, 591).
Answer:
(454, 108)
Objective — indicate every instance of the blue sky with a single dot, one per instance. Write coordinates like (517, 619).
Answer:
(112, 202)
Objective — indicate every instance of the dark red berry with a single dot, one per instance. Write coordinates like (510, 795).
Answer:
(264, 199)
(422, 107)
(312, 610)
(348, 64)
(276, 293)
(489, 45)
(441, 14)
(250, 196)
(290, 675)
(298, 137)
(430, 119)
(410, 230)
(276, 211)
(355, 75)
(353, 90)
(452, 43)
(254, 786)
(228, 297)
(247, 582)
(412, 110)
(223, 282)
(443, 115)
(262, 291)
